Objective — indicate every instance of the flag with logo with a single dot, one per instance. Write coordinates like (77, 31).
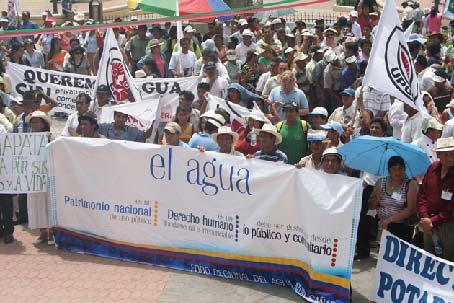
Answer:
(390, 68)
(13, 9)
(114, 73)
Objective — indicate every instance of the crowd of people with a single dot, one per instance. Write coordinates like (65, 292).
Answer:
(306, 81)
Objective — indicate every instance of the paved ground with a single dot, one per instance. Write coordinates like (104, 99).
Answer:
(45, 274)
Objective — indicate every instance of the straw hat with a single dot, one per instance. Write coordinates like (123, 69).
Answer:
(225, 130)
(445, 144)
(154, 43)
(173, 128)
(140, 74)
(38, 114)
(271, 129)
(431, 123)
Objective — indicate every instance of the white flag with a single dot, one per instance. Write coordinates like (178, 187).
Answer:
(236, 112)
(140, 114)
(390, 67)
(114, 73)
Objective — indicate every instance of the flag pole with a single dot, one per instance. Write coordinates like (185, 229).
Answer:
(179, 34)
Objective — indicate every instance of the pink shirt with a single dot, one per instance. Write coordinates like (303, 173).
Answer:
(433, 23)
(160, 63)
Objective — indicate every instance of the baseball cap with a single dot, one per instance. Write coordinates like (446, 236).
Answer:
(416, 38)
(209, 65)
(316, 135)
(319, 111)
(348, 91)
(247, 32)
(276, 21)
(336, 126)
(103, 89)
(173, 128)
(331, 151)
(353, 14)
(290, 105)
(289, 50)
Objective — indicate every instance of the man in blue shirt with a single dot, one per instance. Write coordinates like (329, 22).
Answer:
(27, 24)
(269, 139)
(118, 130)
(203, 140)
(287, 93)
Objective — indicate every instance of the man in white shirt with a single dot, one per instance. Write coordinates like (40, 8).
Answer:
(181, 63)
(428, 142)
(218, 85)
(356, 28)
(397, 117)
(244, 47)
(346, 113)
(448, 129)
(412, 128)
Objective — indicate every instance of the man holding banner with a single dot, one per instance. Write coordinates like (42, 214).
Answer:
(436, 201)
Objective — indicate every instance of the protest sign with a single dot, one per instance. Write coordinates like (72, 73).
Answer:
(140, 114)
(208, 213)
(64, 87)
(169, 89)
(406, 273)
(23, 163)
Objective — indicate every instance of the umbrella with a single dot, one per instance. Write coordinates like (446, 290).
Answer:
(168, 7)
(274, 13)
(371, 154)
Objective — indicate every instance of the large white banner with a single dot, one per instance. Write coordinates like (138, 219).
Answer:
(23, 163)
(64, 87)
(208, 213)
(406, 273)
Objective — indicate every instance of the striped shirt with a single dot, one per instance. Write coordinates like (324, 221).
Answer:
(392, 204)
(274, 156)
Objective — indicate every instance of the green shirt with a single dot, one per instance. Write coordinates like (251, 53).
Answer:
(294, 141)
(265, 61)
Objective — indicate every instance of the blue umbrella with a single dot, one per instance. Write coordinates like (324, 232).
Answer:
(371, 154)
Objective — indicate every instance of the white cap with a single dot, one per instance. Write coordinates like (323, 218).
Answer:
(247, 32)
(351, 59)
(289, 50)
(140, 74)
(353, 14)
(301, 57)
(276, 21)
(319, 111)
(330, 56)
(242, 22)
(290, 35)
(189, 29)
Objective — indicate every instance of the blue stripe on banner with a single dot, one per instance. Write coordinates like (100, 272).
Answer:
(288, 276)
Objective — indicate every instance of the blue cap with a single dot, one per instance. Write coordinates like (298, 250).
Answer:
(348, 91)
(416, 38)
(336, 126)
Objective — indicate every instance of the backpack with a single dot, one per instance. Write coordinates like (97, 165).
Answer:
(303, 126)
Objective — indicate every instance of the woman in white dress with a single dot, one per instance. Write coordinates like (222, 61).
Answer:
(37, 203)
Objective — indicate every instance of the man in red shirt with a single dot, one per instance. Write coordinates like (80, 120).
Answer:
(436, 203)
